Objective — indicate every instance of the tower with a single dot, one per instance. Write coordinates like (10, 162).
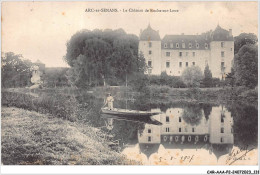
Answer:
(222, 52)
(150, 47)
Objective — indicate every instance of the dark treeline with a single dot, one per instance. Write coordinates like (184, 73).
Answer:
(103, 57)
(15, 71)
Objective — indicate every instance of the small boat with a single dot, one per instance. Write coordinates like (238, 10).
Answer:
(128, 112)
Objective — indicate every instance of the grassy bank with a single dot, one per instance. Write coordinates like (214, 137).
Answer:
(32, 138)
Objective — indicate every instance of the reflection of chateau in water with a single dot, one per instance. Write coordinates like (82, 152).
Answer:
(184, 129)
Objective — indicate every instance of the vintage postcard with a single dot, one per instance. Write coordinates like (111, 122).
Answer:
(129, 83)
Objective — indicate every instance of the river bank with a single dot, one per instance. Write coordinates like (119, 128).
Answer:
(30, 138)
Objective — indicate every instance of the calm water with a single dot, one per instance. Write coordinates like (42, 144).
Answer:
(188, 133)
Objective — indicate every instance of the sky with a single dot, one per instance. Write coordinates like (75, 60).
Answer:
(40, 30)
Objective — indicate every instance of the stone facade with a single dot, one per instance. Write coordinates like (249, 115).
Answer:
(174, 53)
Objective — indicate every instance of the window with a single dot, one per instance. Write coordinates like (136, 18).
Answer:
(221, 140)
(183, 45)
(180, 54)
(180, 64)
(167, 64)
(150, 44)
(168, 54)
(222, 130)
(179, 119)
(193, 63)
(206, 46)
(187, 54)
(179, 129)
(193, 54)
(150, 63)
(222, 66)
(177, 45)
(165, 45)
(149, 131)
(171, 45)
(150, 52)
(222, 54)
(193, 129)
(187, 64)
(190, 45)
(149, 138)
(167, 119)
(222, 118)
(167, 129)
(222, 44)
(197, 45)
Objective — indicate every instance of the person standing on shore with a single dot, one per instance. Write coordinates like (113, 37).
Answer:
(109, 101)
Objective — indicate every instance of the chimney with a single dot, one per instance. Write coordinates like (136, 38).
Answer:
(230, 33)
(140, 32)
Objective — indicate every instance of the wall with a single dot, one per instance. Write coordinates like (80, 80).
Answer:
(155, 57)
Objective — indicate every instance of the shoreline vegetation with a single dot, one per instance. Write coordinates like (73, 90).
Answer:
(48, 126)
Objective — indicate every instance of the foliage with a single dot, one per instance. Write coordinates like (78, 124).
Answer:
(55, 104)
(192, 76)
(246, 66)
(55, 77)
(207, 81)
(244, 39)
(139, 82)
(166, 80)
(15, 71)
(192, 114)
(98, 56)
(245, 116)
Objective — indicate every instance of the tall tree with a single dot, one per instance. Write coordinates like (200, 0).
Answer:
(192, 76)
(246, 66)
(98, 56)
(244, 39)
(207, 77)
(16, 72)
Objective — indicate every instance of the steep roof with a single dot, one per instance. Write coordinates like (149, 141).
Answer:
(221, 149)
(149, 35)
(190, 42)
(149, 149)
(220, 34)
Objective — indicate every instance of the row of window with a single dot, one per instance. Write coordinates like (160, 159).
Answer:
(190, 45)
(150, 139)
(167, 129)
(183, 45)
(168, 54)
(187, 64)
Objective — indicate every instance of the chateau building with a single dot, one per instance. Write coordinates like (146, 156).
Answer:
(174, 53)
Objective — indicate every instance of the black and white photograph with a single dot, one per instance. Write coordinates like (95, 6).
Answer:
(129, 83)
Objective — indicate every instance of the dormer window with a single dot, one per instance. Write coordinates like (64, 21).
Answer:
(150, 44)
(222, 44)
(206, 46)
(183, 45)
(165, 45)
(190, 45)
(197, 45)
(177, 45)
